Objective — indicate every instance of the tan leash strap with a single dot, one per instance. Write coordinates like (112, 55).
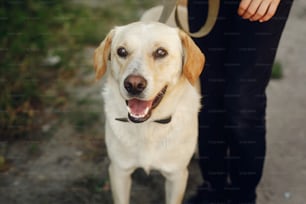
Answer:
(168, 7)
(212, 15)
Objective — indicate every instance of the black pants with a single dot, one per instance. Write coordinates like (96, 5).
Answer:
(239, 59)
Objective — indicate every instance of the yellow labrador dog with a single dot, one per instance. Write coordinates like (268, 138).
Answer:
(151, 104)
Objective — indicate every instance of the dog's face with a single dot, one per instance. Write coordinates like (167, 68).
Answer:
(146, 59)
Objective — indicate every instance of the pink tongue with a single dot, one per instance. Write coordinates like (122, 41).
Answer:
(138, 107)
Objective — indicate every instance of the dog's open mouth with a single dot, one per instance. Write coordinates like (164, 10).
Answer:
(140, 110)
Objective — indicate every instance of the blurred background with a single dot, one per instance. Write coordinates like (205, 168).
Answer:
(51, 112)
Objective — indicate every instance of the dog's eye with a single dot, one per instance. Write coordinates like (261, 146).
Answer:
(122, 52)
(160, 53)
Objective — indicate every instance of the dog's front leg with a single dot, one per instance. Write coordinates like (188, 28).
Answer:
(120, 184)
(175, 186)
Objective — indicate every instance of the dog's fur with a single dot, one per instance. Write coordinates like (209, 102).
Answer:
(145, 143)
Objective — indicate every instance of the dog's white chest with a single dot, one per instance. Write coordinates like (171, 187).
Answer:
(145, 146)
(163, 147)
(153, 150)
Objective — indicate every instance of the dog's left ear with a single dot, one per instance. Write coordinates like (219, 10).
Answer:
(102, 55)
(194, 59)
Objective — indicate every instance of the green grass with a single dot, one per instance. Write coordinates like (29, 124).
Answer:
(277, 71)
(81, 120)
(31, 30)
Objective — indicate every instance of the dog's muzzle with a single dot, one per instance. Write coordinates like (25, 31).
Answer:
(141, 110)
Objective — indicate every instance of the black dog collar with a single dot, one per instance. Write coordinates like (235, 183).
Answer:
(161, 121)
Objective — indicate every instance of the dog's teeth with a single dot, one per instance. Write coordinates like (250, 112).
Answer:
(146, 111)
(140, 115)
(128, 109)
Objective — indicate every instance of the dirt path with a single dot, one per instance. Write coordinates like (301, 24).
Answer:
(66, 162)
(284, 179)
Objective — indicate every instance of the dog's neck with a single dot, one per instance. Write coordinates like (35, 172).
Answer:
(161, 121)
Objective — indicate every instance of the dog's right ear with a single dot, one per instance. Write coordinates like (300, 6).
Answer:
(102, 55)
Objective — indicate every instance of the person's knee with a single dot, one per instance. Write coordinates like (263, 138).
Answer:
(245, 109)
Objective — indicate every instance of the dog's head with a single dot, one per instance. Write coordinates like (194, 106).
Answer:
(145, 59)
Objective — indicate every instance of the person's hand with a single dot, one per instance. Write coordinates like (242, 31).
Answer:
(258, 10)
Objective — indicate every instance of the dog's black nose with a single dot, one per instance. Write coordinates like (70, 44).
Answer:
(135, 84)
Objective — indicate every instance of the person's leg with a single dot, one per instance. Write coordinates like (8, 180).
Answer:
(212, 139)
(248, 69)
(248, 72)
